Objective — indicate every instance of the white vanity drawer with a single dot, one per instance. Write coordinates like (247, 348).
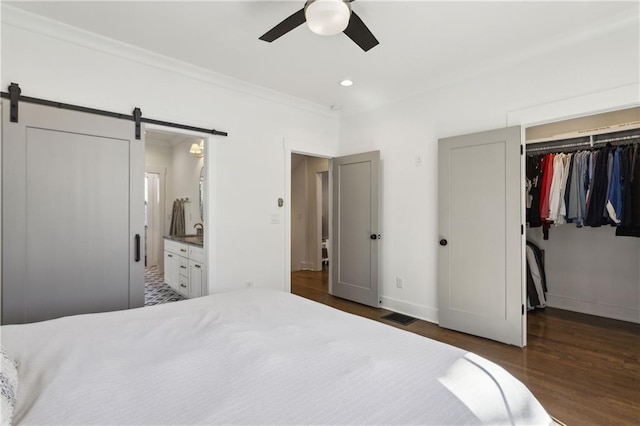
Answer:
(183, 266)
(183, 286)
(176, 247)
(196, 253)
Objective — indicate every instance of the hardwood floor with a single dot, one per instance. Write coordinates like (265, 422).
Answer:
(585, 370)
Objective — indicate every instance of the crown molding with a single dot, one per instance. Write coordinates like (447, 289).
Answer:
(31, 22)
(545, 46)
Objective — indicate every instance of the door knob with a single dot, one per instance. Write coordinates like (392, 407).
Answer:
(374, 237)
(443, 242)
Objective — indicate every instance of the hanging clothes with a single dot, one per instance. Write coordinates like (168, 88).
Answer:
(557, 187)
(614, 195)
(626, 177)
(630, 170)
(593, 188)
(534, 185)
(598, 189)
(571, 192)
(536, 278)
(547, 180)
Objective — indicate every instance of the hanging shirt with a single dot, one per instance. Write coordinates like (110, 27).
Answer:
(635, 186)
(562, 207)
(583, 186)
(572, 188)
(626, 178)
(547, 179)
(591, 161)
(557, 186)
(567, 188)
(614, 196)
(598, 191)
(534, 175)
(630, 171)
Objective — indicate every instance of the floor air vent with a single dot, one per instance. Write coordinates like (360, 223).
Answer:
(399, 318)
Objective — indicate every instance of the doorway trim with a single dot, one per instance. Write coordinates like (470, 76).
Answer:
(210, 202)
(319, 210)
(162, 176)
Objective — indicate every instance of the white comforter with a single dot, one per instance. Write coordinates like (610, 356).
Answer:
(252, 357)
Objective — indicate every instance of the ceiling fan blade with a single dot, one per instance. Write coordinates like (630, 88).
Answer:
(285, 26)
(360, 34)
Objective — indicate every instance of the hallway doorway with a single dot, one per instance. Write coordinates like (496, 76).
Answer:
(309, 223)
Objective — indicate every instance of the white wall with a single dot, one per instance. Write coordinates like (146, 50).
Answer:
(55, 62)
(487, 98)
(591, 270)
(157, 155)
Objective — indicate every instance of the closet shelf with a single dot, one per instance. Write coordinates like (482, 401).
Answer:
(629, 135)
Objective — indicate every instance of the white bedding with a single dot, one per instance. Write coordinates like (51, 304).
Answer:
(252, 357)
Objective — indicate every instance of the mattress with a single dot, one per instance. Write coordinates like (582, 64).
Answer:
(252, 357)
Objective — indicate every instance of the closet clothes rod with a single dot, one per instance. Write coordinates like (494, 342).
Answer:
(14, 96)
(584, 142)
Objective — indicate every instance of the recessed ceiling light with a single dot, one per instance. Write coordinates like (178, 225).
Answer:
(346, 83)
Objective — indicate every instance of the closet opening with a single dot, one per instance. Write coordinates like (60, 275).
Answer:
(583, 216)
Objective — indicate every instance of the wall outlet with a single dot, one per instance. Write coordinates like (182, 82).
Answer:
(399, 282)
(249, 284)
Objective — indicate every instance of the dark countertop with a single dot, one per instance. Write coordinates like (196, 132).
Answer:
(194, 240)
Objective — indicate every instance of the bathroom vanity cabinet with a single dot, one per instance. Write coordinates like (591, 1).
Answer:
(184, 267)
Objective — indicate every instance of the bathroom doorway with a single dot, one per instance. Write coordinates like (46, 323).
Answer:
(173, 178)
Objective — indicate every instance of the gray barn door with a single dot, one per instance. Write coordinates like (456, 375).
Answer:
(72, 204)
(354, 239)
(480, 256)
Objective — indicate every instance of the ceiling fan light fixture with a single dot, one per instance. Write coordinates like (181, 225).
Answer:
(327, 17)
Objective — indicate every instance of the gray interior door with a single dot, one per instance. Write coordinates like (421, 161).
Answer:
(355, 239)
(481, 247)
(72, 205)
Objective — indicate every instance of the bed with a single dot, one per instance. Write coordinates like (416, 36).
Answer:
(252, 357)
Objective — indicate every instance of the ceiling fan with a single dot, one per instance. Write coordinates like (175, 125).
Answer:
(326, 17)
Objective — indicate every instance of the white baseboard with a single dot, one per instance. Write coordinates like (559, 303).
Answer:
(592, 308)
(425, 313)
(307, 266)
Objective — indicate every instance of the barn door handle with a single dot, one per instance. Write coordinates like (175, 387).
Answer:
(137, 238)
(443, 242)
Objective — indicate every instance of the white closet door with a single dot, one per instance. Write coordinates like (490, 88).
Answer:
(480, 279)
(73, 203)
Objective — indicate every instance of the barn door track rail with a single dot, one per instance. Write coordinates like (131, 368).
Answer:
(14, 96)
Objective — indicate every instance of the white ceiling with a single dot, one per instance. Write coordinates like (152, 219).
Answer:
(423, 44)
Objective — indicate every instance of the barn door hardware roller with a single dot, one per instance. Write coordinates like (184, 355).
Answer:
(14, 94)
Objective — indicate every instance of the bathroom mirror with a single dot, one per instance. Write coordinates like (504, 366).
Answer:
(201, 192)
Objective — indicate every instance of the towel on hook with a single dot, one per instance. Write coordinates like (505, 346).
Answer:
(177, 218)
